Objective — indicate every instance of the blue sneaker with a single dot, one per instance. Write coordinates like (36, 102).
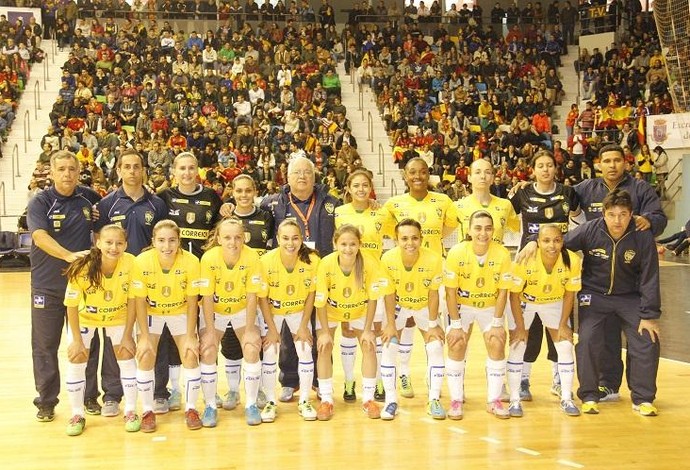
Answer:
(389, 412)
(525, 393)
(253, 415)
(515, 409)
(569, 408)
(210, 417)
(435, 409)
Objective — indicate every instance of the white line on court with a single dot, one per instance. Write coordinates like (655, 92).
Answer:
(569, 463)
(457, 430)
(159, 439)
(527, 451)
(490, 440)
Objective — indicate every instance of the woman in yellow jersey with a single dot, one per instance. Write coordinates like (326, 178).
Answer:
(414, 274)
(165, 283)
(347, 287)
(438, 217)
(288, 284)
(373, 224)
(229, 281)
(98, 295)
(545, 286)
(477, 279)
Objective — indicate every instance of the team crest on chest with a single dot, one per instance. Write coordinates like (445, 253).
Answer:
(209, 216)
(86, 212)
(290, 289)
(229, 286)
(548, 212)
(409, 287)
(108, 295)
(547, 288)
(628, 255)
(148, 217)
(347, 292)
(166, 291)
(421, 217)
(190, 217)
(247, 237)
(480, 282)
(329, 207)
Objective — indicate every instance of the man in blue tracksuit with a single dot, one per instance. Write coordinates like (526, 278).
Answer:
(620, 278)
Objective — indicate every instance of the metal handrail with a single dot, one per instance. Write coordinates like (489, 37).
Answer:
(46, 74)
(382, 166)
(2, 191)
(37, 99)
(27, 130)
(677, 177)
(394, 188)
(370, 128)
(15, 165)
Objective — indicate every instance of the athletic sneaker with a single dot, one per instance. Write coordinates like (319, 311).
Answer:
(268, 414)
(132, 422)
(372, 409)
(287, 394)
(210, 417)
(455, 410)
(406, 387)
(148, 421)
(110, 409)
(261, 400)
(525, 393)
(556, 389)
(191, 417)
(349, 394)
(160, 406)
(92, 407)
(232, 398)
(515, 409)
(175, 400)
(325, 411)
(380, 393)
(252, 415)
(307, 411)
(389, 412)
(608, 394)
(435, 409)
(45, 414)
(590, 408)
(497, 409)
(569, 408)
(76, 425)
(645, 409)
(219, 401)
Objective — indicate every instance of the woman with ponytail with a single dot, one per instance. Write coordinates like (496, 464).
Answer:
(98, 295)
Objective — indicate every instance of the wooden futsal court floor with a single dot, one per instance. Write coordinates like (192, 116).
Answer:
(543, 438)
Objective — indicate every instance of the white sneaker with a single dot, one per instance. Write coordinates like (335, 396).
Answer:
(268, 414)
(307, 411)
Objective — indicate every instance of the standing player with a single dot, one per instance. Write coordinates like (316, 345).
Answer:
(165, 285)
(288, 284)
(477, 279)
(98, 295)
(414, 274)
(438, 218)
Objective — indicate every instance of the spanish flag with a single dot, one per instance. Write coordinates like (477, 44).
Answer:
(641, 130)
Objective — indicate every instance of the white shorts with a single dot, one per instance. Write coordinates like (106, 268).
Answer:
(236, 320)
(115, 333)
(292, 319)
(357, 324)
(177, 324)
(421, 317)
(550, 315)
(483, 316)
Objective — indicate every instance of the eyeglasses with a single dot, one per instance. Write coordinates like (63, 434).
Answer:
(302, 172)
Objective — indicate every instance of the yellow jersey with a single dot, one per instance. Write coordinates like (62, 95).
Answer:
(166, 292)
(501, 211)
(538, 286)
(477, 280)
(229, 286)
(107, 305)
(411, 286)
(339, 293)
(285, 290)
(372, 224)
(433, 212)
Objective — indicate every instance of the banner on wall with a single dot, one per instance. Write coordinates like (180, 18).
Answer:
(671, 131)
(19, 13)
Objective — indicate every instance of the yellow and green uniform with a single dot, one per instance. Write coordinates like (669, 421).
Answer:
(538, 286)
(501, 211)
(285, 290)
(412, 285)
(372, 224)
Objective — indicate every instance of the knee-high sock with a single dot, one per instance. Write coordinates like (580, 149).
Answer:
(252, 381)
(368, 388)
(405, 350)
(145, 388)
(209, 383)
(76, 384)
(455, 373)
(555, 373)
(128, 377)
(495, 374)
(326, 390)
(269, 369)
(435, 367)
(174, 376)
(305, 369)
(389, 356)
(192, 386)
(379, 352)
(566, 368)
(348, 354)
(514, 367)
(233, 373)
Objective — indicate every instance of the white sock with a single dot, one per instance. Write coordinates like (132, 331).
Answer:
(495, 374)
(379, 352)
(305, 369)
(516, 353)
(145, 388)
(566, 368)
(76, 384)
(455, 373)
(252, 381)
(389, 356)
(233, 373)
(405, 350)
(368, 388)
(192, 379)
(526, 370)
(348, 354)
(555, 371)
(326, 390)
(128, 377)
(436, 368)
(209, 383)
(174, 375)
(269, 369)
